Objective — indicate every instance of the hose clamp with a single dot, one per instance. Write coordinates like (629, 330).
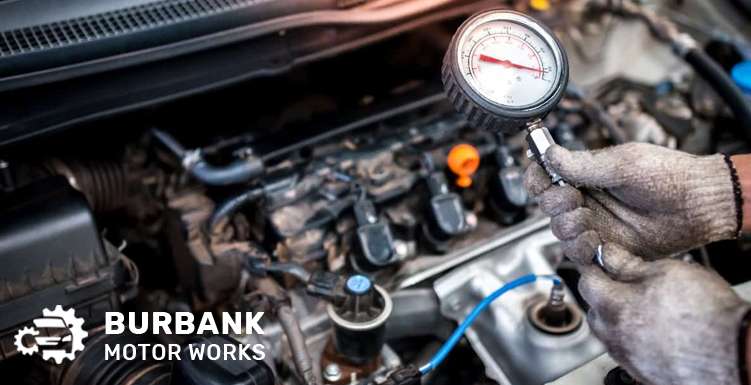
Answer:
(191, 158)
(682, 43)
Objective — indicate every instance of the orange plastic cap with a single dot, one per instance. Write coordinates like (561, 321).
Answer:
(540, 5)
(464, 160)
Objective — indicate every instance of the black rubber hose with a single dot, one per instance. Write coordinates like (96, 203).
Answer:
(231, 205)
(725, 87)
(294, 269)
(103, 183)
(239, 171)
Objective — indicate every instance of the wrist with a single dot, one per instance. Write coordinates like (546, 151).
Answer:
(712, 198)
(742, 166)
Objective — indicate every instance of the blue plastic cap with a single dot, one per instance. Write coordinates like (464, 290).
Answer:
(359, 284)
(742, 75)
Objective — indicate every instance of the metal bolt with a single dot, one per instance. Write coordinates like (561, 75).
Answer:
(471, 219)
(401, 248)
(332, 373)
(455, 304)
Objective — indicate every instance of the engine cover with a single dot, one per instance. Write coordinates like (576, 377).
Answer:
(512, 349)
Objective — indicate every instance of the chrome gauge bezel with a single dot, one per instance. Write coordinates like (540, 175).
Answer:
(529, 24)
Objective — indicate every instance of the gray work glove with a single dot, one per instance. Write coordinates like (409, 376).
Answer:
(652, 200)
(666, 322)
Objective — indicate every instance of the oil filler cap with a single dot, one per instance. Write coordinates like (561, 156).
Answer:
(540, 5)
(463, 160)
(741, 74)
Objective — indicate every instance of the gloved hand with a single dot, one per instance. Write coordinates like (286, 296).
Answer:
(652, 200)
(666, 322)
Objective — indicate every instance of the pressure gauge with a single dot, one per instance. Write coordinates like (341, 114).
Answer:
(504, 69)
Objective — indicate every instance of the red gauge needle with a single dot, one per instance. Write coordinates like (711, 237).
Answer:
(506, 63)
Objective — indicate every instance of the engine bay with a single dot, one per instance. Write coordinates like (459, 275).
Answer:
(346, 199)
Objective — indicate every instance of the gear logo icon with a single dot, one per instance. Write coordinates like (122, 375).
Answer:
(57, 335)
(21, 344)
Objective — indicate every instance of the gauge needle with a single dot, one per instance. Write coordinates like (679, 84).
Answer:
(506, 63)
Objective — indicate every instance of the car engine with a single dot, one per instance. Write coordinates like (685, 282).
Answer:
(302, 159)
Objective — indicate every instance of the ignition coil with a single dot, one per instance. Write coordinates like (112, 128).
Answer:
(446, 217)
(375, 241)
(508, 199)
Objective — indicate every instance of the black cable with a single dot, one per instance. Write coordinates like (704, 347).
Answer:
(725, 87)
(294, 269)
(231, 205)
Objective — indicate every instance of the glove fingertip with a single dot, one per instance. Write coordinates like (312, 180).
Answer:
(594, 285)
(576, 167)
(572, 224)
(560, 199)
(559, 157)
(582, 249)
(536, 180)
(621, 264)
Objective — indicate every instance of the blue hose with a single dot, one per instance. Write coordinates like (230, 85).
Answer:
(459, 332)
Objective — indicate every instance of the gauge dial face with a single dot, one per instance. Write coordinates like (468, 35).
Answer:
(509, 60)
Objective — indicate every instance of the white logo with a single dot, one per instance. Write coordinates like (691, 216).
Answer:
(58, 334)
